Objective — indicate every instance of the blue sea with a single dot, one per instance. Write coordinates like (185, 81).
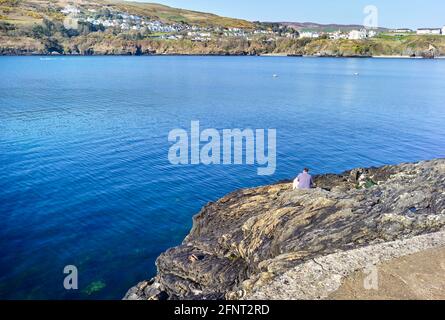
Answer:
(85, 178)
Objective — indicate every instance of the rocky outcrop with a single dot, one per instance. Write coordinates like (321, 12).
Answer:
(273, 242)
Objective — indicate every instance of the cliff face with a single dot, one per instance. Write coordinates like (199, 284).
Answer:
(273, 242)
(105, 43)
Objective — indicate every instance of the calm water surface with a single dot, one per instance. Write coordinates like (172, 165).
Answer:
(85, 179)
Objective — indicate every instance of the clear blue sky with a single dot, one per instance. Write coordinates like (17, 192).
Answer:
(392, 13)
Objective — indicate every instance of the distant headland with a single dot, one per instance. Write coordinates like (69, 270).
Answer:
(108, 27)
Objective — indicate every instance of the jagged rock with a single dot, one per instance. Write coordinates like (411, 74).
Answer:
(249, 239)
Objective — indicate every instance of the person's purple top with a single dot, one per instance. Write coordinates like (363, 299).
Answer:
(305, 181)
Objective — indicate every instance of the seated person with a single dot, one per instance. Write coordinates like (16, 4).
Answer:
(304, 180)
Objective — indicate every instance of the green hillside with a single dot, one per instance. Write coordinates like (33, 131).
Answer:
(32, 11)
(168, 14)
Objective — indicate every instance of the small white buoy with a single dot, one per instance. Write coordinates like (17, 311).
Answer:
(356, 74)
(275, 76)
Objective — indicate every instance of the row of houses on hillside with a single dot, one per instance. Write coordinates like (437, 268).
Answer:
(431, 31)
(352, 35)
(361, 34)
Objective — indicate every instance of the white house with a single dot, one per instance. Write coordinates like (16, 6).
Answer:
(309, 35)
(443, 31)
(372, 33)
(402, 30)
(125, 26)
(337, 35)
(290, 35)
(423, 31)
(357, 34)
(70, 10)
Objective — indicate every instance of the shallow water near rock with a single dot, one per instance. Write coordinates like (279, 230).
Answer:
(85, 177)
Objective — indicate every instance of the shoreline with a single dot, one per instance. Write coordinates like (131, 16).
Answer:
(268, 55)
